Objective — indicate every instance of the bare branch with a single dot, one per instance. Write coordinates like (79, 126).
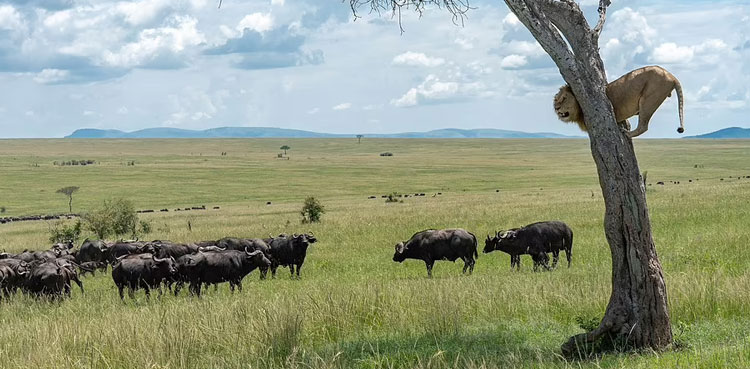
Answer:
(603, 4)
(457, 8)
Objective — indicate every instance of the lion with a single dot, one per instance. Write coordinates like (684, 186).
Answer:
(638, 92)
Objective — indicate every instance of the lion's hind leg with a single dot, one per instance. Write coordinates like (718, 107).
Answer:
(647, 105)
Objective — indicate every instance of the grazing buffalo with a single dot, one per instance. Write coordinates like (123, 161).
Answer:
(165, 249)
(91, 267)
(52, 279)
(141, 271)
(219, 266)
(13, 274)
(535, 239)
(290, 251)
(432, 245)
(122, 248)
(92, 250)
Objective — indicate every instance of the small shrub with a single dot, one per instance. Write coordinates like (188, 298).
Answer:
(116, 217)
(393, 197)
(2, 209)
(312, 210)
(144, 227)
(62, 233)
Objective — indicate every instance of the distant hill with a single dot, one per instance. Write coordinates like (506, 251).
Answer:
(731, 132)
(267, 132)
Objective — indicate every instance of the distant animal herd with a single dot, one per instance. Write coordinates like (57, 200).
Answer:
(162, 264)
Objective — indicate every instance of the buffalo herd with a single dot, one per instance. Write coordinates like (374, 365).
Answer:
(162, 264)
(151, 265)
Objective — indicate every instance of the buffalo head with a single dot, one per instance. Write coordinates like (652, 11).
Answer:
(489, 244)
(165, 265)
(400, 254)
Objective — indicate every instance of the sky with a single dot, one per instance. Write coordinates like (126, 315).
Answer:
(309, 64)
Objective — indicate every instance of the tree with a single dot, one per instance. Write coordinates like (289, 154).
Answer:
(359, 138)
(285, 148)
(312, 210)
(637, 313)
(68, 191)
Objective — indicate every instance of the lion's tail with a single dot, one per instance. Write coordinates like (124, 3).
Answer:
(678, 89)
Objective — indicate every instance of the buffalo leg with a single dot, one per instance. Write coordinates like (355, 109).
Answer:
(555, 258)
(429, 264)
(291, 270)
(239, 285)
(120, 289)
(568, 255)
(299, 266)
(148, 292)
(131, 293)
(231, 286)
(273, 272)
(263, 273)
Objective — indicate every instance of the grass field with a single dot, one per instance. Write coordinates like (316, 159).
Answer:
(354, 307)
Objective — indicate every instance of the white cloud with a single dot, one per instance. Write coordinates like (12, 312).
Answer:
(313, 111)
(669, 52)
(156, 42)
(513, 61)
(122, 110)
(342, 106)
(140, 12)
(48, 76)
(433, 90)
(277, 2)
(417, 60)
(11, 19)
(88, 113)
(258, 22)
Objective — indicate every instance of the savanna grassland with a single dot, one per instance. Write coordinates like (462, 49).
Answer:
(354, 307)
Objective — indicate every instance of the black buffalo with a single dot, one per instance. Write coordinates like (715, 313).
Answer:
(536, 239)
(166, 249)
(13, 273)
(92, 250)
(141, 271)
(52, 278)
(432, 245)
(290, 251)
(219, 266)
(121, 248)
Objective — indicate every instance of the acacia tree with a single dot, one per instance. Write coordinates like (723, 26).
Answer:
(68, 191)
(637, 313)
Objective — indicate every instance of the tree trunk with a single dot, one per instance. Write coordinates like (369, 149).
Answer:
(70, 203)
(637, 313)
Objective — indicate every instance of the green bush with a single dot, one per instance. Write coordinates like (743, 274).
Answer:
(62, 233)
(312, 210)
(116, 217)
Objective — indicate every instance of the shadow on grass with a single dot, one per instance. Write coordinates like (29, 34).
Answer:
(497, 348)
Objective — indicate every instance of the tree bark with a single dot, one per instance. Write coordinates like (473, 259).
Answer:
(637, 313)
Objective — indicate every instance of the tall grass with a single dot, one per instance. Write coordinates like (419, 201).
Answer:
(354, 307)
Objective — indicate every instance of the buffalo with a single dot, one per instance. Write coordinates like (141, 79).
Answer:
(432, 245)
(141, 271)
(536, 239)
(289, 251)
(92, 250)
(219, 266)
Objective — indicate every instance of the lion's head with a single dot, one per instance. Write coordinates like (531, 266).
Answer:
(567, 108)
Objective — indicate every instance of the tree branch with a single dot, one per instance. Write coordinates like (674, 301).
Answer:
(548, 35)
(603, 4)
(457, 8)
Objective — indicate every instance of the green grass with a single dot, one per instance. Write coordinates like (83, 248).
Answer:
(354, 307)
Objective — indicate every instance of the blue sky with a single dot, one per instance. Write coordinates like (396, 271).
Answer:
(307, 64)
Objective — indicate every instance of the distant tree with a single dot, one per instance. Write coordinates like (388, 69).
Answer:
(69, 191)
(2, 209)
(312, 210)
(285, 148)
(359, 138)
